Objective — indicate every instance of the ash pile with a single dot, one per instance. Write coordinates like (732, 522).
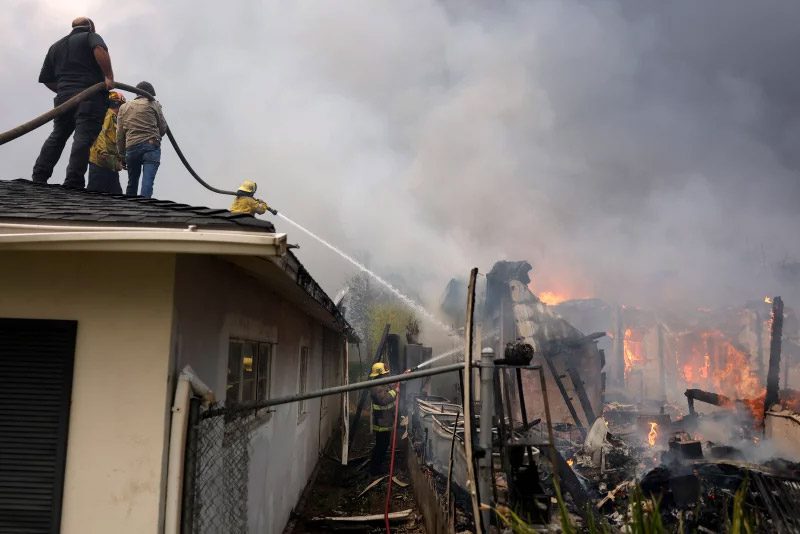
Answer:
(690, 419)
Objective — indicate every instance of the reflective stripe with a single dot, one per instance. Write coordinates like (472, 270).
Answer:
(393, 393)
(377, 428)
(379, 407)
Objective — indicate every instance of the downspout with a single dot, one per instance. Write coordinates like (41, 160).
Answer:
(188, 385)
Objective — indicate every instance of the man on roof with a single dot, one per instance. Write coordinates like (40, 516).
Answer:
(140, 127)
(245, 201)
(105, 161)
(72, 64)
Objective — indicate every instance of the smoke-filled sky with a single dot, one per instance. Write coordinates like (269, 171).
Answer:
(632, 150)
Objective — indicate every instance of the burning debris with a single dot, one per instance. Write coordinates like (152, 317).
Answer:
(683, 422)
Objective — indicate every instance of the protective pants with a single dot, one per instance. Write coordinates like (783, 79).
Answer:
(103, 180)
(86, 120)
(382, 441)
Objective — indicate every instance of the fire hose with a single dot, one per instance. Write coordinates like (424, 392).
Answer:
(43, 119)
(391, 461)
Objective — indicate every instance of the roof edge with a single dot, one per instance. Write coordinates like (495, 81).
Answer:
(190, 240)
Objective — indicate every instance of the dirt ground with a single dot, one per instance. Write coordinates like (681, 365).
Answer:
(335, 492)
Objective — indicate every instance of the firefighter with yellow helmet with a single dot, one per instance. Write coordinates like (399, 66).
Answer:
(246, 202)
(105, 160)
(383, 406)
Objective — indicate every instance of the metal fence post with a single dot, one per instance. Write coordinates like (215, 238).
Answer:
(189, 468)
(485, 436)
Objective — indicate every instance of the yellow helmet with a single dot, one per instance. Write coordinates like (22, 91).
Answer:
(378, 369)
(115, 98)
(248, 186)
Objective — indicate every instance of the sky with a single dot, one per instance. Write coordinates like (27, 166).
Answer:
(640, 151)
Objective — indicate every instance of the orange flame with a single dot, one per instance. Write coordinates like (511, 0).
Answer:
(653, 435)
(710, 361)
(632, 350)
(551, 298)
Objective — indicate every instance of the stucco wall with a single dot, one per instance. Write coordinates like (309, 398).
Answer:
(117, 429)
(214, 301)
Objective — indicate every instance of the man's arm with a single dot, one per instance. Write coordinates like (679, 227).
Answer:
(121, 132)
(384, 395)
(162, 123)
(47, 75)
(104, 61)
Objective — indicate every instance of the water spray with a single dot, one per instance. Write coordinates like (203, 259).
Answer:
(453, 352)
(408, 301)
(450, 353)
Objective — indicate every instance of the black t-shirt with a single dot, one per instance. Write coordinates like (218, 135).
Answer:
(71, 64)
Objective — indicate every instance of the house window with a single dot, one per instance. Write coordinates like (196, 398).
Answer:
(301, 406)
(36, 366)
(249, 365)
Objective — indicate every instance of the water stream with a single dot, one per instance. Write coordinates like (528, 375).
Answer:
(408, 301)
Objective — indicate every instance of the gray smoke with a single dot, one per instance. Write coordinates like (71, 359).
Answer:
(632, 150)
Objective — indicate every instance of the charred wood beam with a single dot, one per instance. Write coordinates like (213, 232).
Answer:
(773, 374)
(569, 480)
(583, 397)
(705, 396)
(564, 393)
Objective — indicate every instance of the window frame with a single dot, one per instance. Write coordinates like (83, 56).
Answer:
(259, 384)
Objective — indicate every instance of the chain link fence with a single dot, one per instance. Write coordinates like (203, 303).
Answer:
(219, 454)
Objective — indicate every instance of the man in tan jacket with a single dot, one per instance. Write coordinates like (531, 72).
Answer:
(140, 127)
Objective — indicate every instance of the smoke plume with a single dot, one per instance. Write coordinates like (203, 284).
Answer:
(633, 150)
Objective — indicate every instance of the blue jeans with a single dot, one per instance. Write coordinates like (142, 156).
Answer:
(143, 159)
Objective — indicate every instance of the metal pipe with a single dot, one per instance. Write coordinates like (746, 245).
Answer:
(245, 406)
(485, 435)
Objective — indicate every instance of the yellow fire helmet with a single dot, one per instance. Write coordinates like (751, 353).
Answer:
(116, 98)
(249, 187)
(378, 369)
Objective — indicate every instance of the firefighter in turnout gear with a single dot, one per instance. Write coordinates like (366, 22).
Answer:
(246, 203)
(383, 404)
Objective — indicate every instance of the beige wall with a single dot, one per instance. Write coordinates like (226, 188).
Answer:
(117, 431)
(215, 301)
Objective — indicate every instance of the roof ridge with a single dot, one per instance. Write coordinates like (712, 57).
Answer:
(120, 196)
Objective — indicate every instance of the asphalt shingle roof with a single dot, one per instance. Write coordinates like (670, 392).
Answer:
(22, 199)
